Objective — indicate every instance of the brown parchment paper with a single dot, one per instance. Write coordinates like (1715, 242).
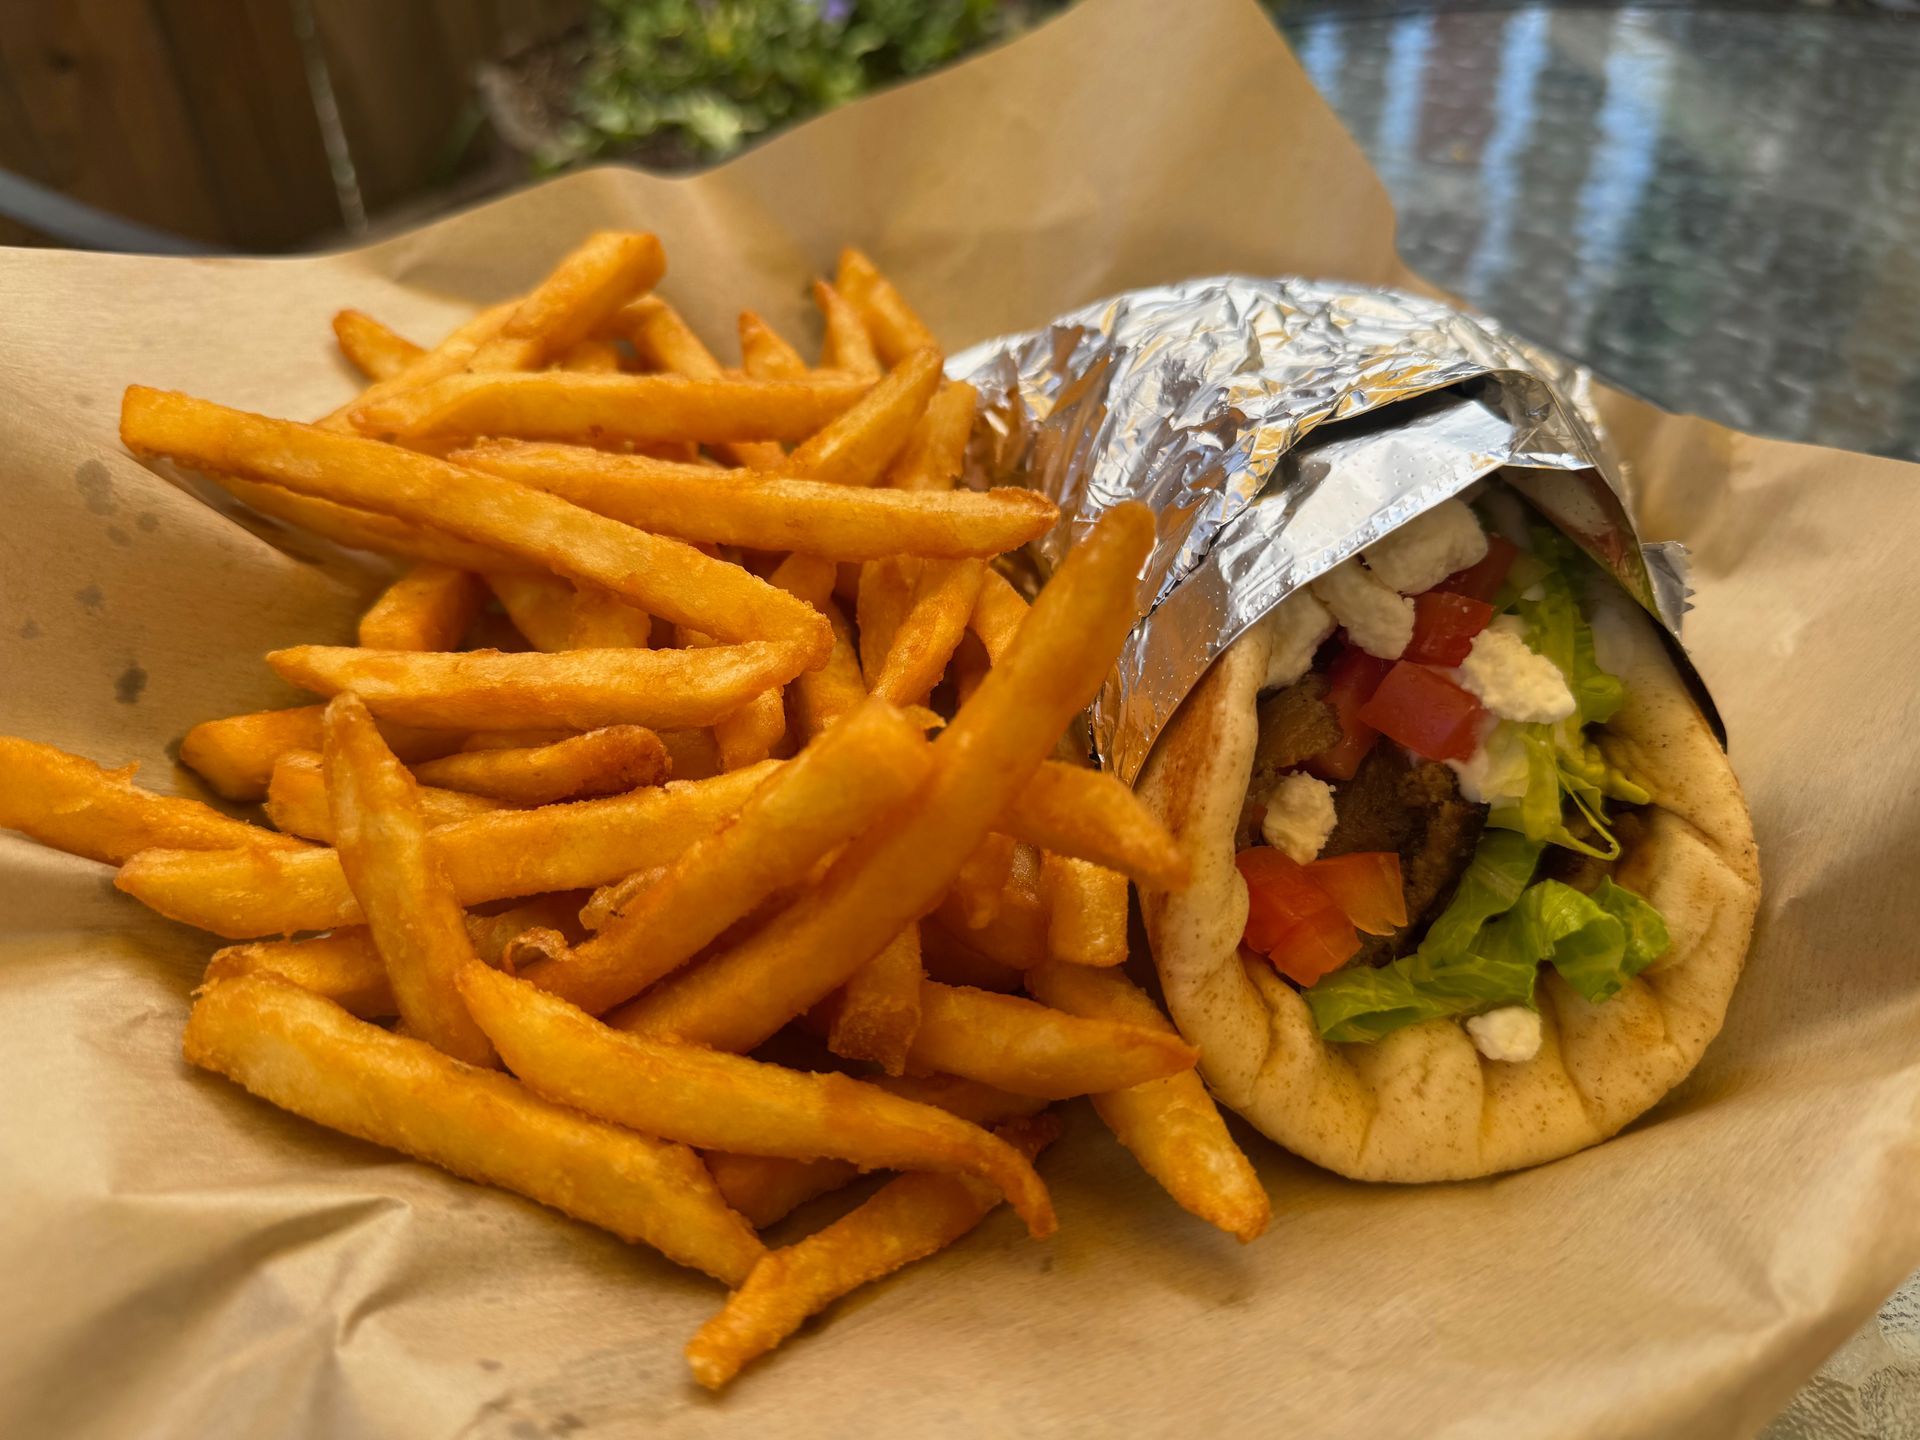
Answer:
(180, 1260)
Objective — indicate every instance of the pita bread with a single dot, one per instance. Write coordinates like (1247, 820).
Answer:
(1423, 1104)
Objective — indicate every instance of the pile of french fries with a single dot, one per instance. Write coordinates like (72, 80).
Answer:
(695, 723)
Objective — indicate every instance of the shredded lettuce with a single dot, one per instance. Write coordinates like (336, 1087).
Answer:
(1502, 864)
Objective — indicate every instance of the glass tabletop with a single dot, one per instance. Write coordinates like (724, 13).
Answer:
(1718, 210)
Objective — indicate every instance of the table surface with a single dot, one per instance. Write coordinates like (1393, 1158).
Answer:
(1717, 210)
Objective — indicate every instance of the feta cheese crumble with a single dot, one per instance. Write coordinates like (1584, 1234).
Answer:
(1512, 680)
(1377, 618)
(1428, 548)
(1511, 1033)
(1298, 625)
(1299, 817)
(1495, 773)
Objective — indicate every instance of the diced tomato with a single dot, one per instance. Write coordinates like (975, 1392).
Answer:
(1481, 581)
(1351, 681)
(1291, 920)
(1367, 886)
(1424, 711)
(1444, 625)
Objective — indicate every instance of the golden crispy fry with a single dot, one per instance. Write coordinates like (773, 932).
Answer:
(886, 592)
(345, 965)
(896, 871)
(907, 1219)
(594, 409)
(1086, 813)
(663, 577)
(1086, 906)
(846, 345)
(1014, 1044)
(770, 510)
(243, 894)
(725, 1102)
(822, 696)
(694, 754)
(451, 356)
(382, 844)
(603, 621)
(856, 448)
(309, 1056)
(924, 641)
(575, 300)
(1171, 1125)
(600, 762)
(936, 452)
(979, 889)
(879, 1007)
(764, 354)
(753, 731)
(430, 607)
(236, 755)
(831, 791)
(946, 957)
(592, 357)
(583, 689)
(766, 1188)
(374, 350)
(666, 342)
(897, 332)
(515, 739)
(74, 805)
(1015, 933)
(541, 608)
(998, 613)
(297, 800)
(808, 578)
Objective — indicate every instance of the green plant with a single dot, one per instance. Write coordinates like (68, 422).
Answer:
(690, 80)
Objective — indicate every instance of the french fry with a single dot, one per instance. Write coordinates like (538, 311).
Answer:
(374, 350)
(980, 886)
(806, 577)
(573, 301)
(666, 342)
(603, 621)
(246, 893)
(857, 446)
(599, 762)
(541, 608)
(307, 1055)
(430, 607)
(726, 1102)
(694, 754)
(582, 689)
(949, 959)
(846, 345)
(1086, 907)
(879, 1006)
(409, 908)
(831, 791)
(451, 356)
(923, 642)
(1014, 1044)
(596, 409)
(764, 354)
(297, 800)
(236, 755)
(936, 452)
(515, 739)
(897, 332)
(74, 805)
(663, 577)
(1015, 933)
(822, 696)
(998, 613)
(770, 510)
(1171, 1124)
(592, 357)
(753, 731)
(886, 592)
(907, 1219)
(767, 1188)
(896, 872)
(1072, 810)
(345, 965)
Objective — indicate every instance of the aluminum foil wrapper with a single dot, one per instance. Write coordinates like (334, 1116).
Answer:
(1276, 427)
